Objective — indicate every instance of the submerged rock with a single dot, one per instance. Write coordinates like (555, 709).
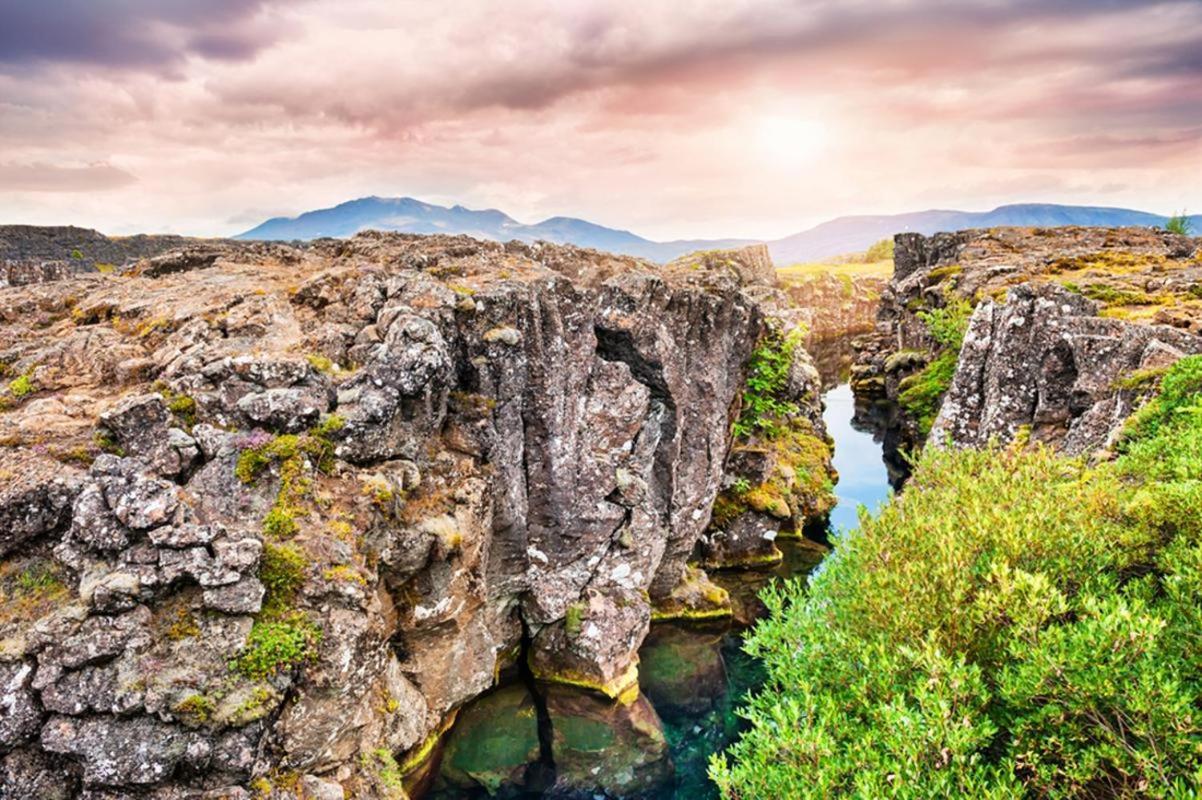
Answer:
(494, 742)
(605, 748)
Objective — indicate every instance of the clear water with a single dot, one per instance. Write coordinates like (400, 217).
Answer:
(863, 478)
(712, 658)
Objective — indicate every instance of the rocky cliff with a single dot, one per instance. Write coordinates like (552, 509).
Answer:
(269, 516)
(1052, 333)
(835, 310)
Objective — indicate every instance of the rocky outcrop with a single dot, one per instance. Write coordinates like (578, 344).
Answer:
(1045, 362)
(835, 310)
(271, 515)
(1054, 323)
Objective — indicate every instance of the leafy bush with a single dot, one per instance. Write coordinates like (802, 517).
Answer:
(1179, 223)
(765, 404)
(881, 251)
(1015, 624)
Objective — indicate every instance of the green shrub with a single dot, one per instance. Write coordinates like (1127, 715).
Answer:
(1015, 624)
(1179, 223)
(765, 405)
(881, 251)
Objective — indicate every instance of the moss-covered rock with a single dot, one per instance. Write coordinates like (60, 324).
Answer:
(608, 748)
(494, 741)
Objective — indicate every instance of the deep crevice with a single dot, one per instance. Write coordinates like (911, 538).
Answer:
(618, 346)
(540, 776)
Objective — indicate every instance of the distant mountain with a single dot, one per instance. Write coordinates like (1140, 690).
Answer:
(838, 236)
(855, 234)
(413, 216)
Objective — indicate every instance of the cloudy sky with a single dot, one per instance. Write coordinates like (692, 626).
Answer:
(668, 117)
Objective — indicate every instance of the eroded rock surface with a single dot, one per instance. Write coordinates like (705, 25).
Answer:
(271, 515)
(1063, 321)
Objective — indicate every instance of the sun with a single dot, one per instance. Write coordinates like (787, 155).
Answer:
(787, 140)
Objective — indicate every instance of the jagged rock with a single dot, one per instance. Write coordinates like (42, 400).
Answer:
(1043, 360)
(141, 427)
(35, 497)
(119, 752)
(27, 772)
(20, 716)
(595, 646)
(398, 401)
(1057, 385)
(514, 441)
(243, 597)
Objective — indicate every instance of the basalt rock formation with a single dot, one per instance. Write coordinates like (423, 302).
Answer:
(1062, 329)
(835, 310)
(34, 254)
(270, 515)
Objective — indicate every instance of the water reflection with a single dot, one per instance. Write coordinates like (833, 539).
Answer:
(863, 476)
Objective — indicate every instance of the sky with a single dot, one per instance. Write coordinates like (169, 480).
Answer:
(672, 118)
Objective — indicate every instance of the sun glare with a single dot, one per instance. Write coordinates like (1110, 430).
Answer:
(786, 140)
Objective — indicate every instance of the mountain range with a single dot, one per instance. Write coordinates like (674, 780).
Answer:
(838, 236)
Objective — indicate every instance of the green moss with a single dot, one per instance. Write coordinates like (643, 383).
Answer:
(107, 443)
(292, 455)
(382, 764)
(195, 709)
(183, 627)
(280, 522)
(574, 619)
(321, 363)
(277, 646)
(282, 570)
(922, 393)
(949, 270)
(22, 386)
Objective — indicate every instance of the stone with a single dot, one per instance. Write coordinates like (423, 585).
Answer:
(119, 752)
(494, 742)
(141, 425)
(243, 597)
(595, 646)
(36, 495)
(20, 715)
(602, 747)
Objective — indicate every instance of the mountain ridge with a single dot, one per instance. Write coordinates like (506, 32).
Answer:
(837, 236)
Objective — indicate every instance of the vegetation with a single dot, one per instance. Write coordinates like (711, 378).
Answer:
(283, 637)
(1016, 624)
(765, 401)
(921, 393)
(1179, 223)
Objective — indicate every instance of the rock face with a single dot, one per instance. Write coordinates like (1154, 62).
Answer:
(265, 510)
(1044, 360)
(1061, 320)
(835, 311)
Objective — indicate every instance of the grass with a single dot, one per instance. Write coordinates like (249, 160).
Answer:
(1015, 624)
(851, 269)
